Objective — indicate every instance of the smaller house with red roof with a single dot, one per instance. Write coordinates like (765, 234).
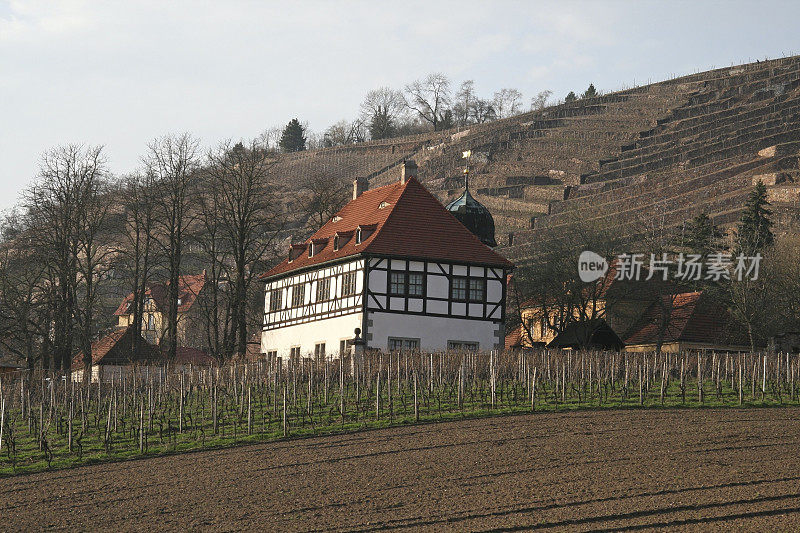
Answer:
(154, 318)
(396, 264)
(113, 356)
(686, 321)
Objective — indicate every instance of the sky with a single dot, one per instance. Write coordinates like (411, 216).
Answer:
(120, 74)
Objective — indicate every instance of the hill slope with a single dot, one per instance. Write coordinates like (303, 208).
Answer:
(669, 150)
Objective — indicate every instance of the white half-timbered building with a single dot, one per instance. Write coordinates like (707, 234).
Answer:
(395, 263)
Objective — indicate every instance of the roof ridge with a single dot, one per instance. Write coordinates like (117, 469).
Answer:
(453, 217)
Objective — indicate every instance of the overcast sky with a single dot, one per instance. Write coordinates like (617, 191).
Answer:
(121, 73)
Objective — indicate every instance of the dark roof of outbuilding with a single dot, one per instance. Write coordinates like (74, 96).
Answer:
(593, 333)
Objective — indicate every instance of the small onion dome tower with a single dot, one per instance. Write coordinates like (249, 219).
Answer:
(472, 214)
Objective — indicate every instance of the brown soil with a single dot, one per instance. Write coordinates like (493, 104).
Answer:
(611, 470)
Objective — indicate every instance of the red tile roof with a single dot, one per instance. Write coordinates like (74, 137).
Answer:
(101, 347)
(413, 223)
(514, 338)
(189, 288)
(693, 317)
(193, 356)
(122, 337)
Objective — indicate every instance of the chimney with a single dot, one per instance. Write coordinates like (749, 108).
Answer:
(359, 186)
(409, 170)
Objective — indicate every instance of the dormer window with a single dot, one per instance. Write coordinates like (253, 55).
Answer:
(336, 218)
(340, 239)
(363, 232)
(383, 205)
(295, 250)
(316, 246)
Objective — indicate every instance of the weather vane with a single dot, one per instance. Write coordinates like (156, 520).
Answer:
(466, 155)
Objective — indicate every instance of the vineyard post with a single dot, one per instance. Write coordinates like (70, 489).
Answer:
(378, 391)
(2, 417)
(389, 386)
(533, 389)
(71, 415)
(180, 406)
(341, 386)
(461, 384)
(641, 391)
(764, 379)
(141, 425)
(285, 426)
(249, 412)
(741, 392)
(416, 400)
(491, 376)
(699, 378)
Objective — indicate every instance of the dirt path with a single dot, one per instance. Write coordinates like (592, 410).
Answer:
(596, 471)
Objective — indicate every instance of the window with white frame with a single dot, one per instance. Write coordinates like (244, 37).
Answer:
(319, 350)
(397, 283)
(294, 352)
(323, 289)
(458, 288)
(402, 283)
(403, 344)
(466, 289)
(344, 346)
(416, 284)
(348, 283)
(298, 294)
(275, 299)
(465, 346)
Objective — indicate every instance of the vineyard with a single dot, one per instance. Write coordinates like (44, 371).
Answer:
(49, 422)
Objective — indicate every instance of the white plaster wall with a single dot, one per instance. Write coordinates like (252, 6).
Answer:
(433, 332)
(330, 331)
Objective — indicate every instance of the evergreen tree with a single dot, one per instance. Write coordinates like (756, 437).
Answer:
(590, 92)
(446, 122)
(381, 125)
(570, 97)
(754, 232)
(293, 138)
(701, 235)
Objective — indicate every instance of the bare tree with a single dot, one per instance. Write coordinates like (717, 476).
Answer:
(549, 285)
(269, 138)
(380, 112)
(343, 132)
(539, 101)
(463, 103)
(507, 103)
(137, 249)
(429, 98)
(173, 163)
(55, 206)
(24, 292)
(321, 196)
(93, 260)
(249, 221)
(482, 111)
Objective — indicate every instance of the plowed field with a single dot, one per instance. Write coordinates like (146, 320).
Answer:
(602, 470)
